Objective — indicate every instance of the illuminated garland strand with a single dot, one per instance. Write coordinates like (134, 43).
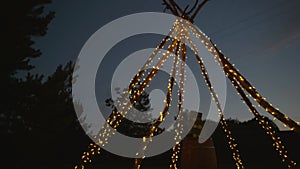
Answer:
(160, 119)
(264, 124)
(224, 124)
(174, 157)
(141, 71)
(116, 117)
(163, 114)
(144, 84)
(153, 72)
(181, 92)
(257, 97)
(229, 68)
(146, 80)
(231, 142)
(231, 74)
(138, 161)
(179, 127)
(94, 149)
(106, 130)
(105, 133)
(154, 127)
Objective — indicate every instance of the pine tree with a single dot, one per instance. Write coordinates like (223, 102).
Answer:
(22, 21)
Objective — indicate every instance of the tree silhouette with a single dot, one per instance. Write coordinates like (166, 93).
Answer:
(143, 102)
(37, 119)
(254, 145)
(139, 112)
(21, 22)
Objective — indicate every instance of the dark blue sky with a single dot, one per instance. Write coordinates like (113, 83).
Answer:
(261, 37)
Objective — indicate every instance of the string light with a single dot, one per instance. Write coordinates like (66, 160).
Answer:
(229, 68)
(231, 140)
(179, 126)
(168, 99)
(236, 80)
(137, 163)
(180, 33)
(115, 118)
(264, 124)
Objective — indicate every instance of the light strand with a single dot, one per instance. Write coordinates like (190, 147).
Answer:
(158, 121)
(115, 118)
(231, 140)
(264, 124)
(179, 126)
(147, 139)
(235, 79)
(229, 68)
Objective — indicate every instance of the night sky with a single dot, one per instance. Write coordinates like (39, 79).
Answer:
(261, 37)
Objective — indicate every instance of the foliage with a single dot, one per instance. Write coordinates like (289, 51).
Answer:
(139, 112)
(21, 22)
(37, 119)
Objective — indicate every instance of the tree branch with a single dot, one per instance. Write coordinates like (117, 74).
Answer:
(193, 8)
(175, 6)
(170, 7)
(198, 9)
(177, 11)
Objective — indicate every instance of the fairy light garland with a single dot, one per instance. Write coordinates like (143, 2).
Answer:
(231, 140)
(229, 68)
(181, 91)
(160, 119)
(154, 127)
(179, 126)
(163, 114)
(141, 71)
(264, 124)
(175, 156)
(137, 163)
(145, 83)
(153, 72)
(180, 33)
(115, 118)
(236, 79)
(168, 100)
(259, 98)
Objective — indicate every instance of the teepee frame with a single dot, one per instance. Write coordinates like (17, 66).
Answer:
(178, 46)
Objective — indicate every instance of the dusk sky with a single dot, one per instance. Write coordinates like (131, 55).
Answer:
(261, 37)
